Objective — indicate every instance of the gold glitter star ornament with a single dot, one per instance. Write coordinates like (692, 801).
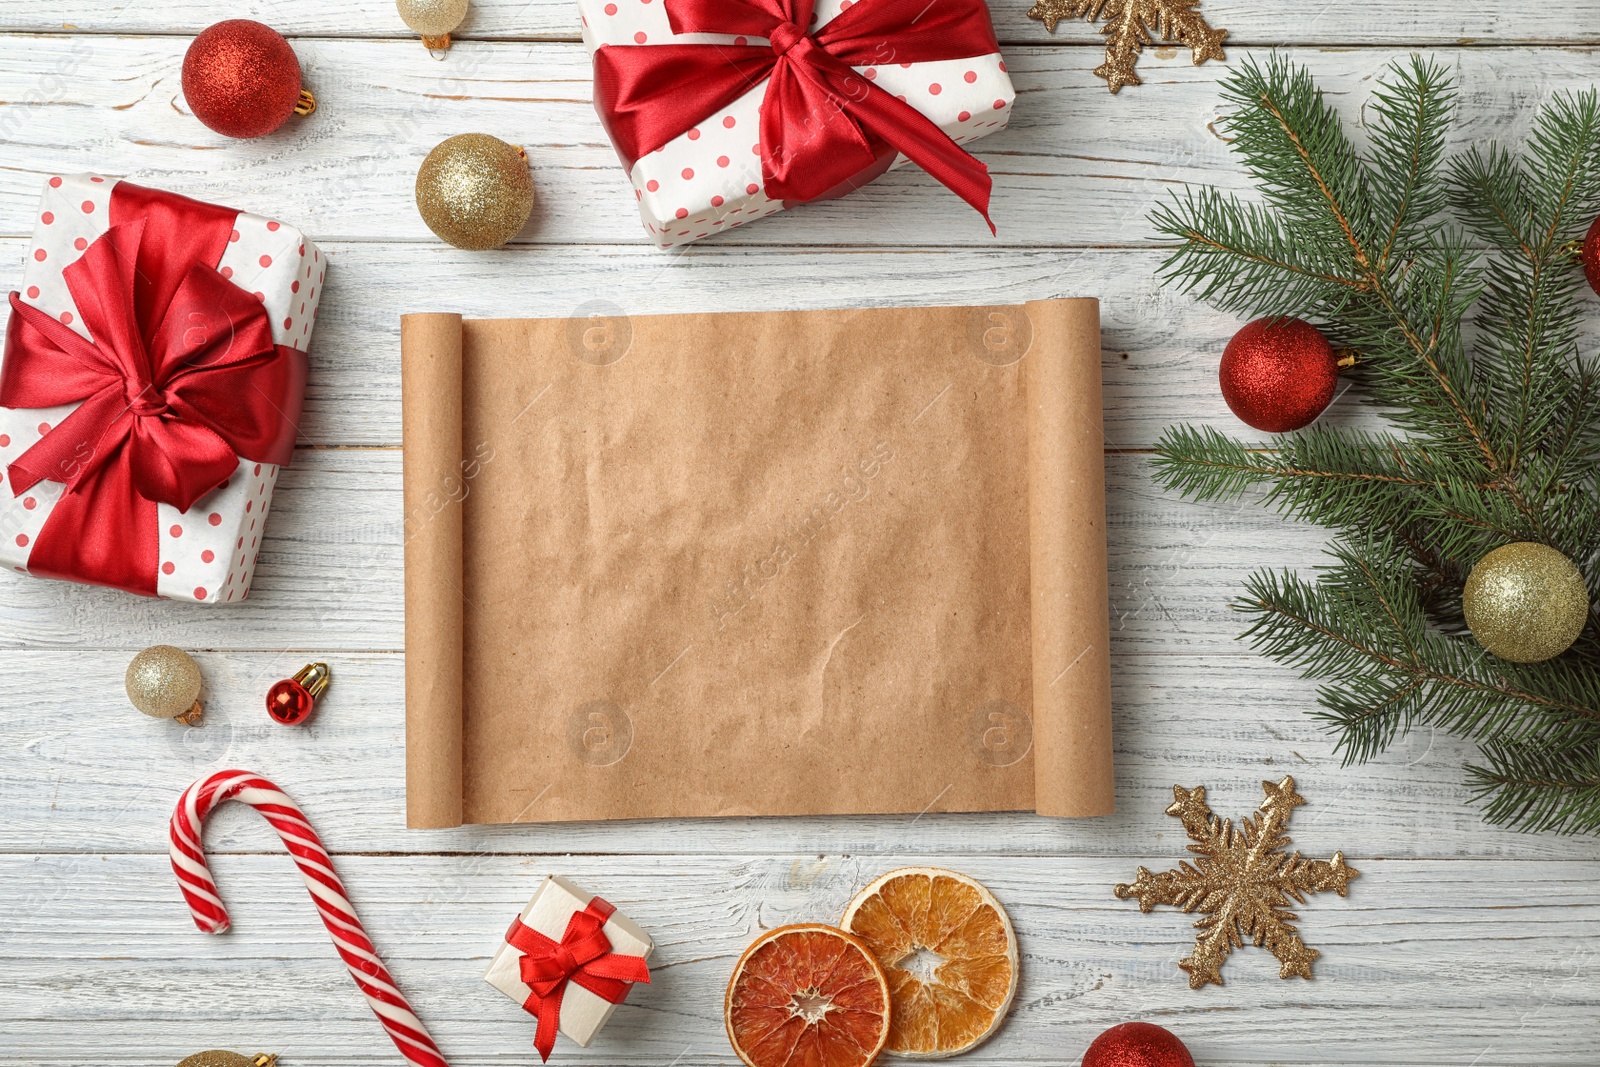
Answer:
(1242, 883)
(1132, 24)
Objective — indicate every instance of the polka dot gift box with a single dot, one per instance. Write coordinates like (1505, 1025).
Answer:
(150, 389)
(725, 111)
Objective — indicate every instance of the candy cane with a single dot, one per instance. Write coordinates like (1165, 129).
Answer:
(316, 867)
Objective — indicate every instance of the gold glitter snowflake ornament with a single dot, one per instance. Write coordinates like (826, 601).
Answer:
(1242, 883)
(1132, 24)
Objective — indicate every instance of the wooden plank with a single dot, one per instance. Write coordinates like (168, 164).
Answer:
(89, 773)
(1412, 22)
(1160, 347)
(1079, 167)
(331, 578)
(1493, 955)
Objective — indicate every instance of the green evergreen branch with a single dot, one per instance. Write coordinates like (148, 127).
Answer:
(1412, 117)
(1531, 214)
(1294, 144)
(1497, 440)
(1362, 625)
(1244, 259)
(1539, 790)
(1342, 479)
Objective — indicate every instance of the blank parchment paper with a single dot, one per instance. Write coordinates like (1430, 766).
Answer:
(764, 563)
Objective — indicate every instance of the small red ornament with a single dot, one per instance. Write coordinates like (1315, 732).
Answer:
(1590, 255)
(1137, 1045)
(1279, 374)
(290, 701)
(242, 79)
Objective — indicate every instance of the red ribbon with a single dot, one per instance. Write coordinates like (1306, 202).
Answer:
(583, 956)
(180, 381)
(824, 128)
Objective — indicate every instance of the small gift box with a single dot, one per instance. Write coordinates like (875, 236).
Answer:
(724, 111)
(569, 960)
(150, 389)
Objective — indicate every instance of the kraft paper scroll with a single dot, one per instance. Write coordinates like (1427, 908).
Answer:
(758, 563)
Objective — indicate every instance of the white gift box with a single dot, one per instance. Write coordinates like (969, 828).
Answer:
(583, 1013)
(208, 553)
(708, 179)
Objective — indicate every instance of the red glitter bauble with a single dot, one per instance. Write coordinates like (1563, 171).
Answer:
(1591, 255)
(1279, 374)
(241, 78)
(1137, 1045)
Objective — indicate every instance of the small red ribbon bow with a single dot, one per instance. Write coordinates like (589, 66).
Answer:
(181, 379)
(582, 956)
(824, 128)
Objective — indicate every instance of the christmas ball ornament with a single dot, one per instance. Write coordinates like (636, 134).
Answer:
(219, 1058)
(1590, 254)
(1279, 374)
(1526, 602)
(1137, 1045)
(290, 701)
(475, 191)
(164, 682)
(432, 19)
(242, 79)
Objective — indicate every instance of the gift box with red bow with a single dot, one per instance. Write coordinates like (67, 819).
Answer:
(569, 960)
(724, 111)
(150, 389)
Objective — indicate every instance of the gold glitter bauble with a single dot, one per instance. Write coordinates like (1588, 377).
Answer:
(433, 19)
(165, 682)
(1526, 602)
(475, 191)
(220, 1058)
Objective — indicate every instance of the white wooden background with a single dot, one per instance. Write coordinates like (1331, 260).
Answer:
(1459, 945)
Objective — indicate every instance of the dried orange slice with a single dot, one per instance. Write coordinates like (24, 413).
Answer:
(807, 996)
(950, 953)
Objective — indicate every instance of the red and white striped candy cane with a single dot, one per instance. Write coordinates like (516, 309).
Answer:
(316, 867)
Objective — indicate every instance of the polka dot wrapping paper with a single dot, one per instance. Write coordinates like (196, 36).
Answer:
(208, 553)
(709, 179)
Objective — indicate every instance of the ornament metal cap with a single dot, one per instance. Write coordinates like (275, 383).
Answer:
(315, 678)
(432, 20)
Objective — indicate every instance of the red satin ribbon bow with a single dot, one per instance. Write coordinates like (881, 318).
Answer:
(181, 380)
(583, 956)
(824, 128)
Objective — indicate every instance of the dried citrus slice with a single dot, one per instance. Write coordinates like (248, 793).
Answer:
(950, 954)
(807, 996)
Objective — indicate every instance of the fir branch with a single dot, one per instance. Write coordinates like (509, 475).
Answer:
(1412, 117)
(1294, 144)
(1537, 789)
(1240, 257)
(1525, 319)
(1362, 626)
(1496, 441)
(1322, 221)
(1353, 482)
